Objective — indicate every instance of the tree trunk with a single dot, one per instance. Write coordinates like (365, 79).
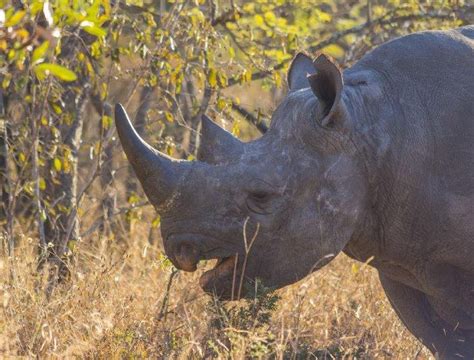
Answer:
(6, 207)
(61, 231)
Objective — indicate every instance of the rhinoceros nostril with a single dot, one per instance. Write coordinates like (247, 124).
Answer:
(187, 257)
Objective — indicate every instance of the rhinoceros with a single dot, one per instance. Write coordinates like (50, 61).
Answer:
(376, 161)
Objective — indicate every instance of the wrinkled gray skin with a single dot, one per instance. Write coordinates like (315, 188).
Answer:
(376, 162)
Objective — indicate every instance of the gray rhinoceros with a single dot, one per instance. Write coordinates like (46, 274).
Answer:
(377, 162)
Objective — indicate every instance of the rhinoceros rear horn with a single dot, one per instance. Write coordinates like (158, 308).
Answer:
(217, 145)
(157, 172)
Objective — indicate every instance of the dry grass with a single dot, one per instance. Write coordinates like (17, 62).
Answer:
(111, 309)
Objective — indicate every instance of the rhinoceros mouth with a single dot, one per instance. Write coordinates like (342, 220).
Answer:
(222, 280)
(186, 251)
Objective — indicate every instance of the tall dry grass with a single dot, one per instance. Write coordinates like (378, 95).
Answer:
(113, 307)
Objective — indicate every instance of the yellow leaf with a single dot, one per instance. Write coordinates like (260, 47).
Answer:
(15, 19)
(259, 20)
(66, 166)
(221, 104)
(231, 52)
(222, 78)
(246, 76)
(22, 34)
(133, 199)
(103, 91)
(57, 164)
(236, 128)
(38, 53)
(334, 50)
(270, 17)
(354, 269)
(42, 184)
(57, 108)
(277, 78)
(6, 81)
(156, 221)
(106, 122)
(168, 116)
(36, 7)
(93, 29)
(212, 78)
(61, 72)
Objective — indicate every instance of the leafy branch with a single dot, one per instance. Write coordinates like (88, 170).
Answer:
(385, 20)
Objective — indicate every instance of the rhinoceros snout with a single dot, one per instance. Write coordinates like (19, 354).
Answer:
(184, 253)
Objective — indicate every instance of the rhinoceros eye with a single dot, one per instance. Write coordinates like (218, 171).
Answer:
(260, 196)
(257, 202)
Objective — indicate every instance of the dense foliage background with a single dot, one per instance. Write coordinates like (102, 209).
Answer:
(71, 208)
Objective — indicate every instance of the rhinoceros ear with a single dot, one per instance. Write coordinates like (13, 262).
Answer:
(217, 145)
(300, 68)
(327, 85)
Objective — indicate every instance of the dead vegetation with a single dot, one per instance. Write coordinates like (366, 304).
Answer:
(116, 305)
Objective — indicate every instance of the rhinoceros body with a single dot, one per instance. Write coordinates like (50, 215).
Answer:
(420, 122)
(377, 162)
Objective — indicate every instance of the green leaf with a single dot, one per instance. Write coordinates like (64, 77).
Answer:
(61, 72)
(15, 19)
(43, 216)
(71, 245)
(93, 29)
(38, 53)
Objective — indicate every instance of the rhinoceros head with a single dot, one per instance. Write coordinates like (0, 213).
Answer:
(274, 209)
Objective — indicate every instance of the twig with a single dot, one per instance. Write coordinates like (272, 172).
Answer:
(122, 210)
(258, 123)
(248, 247)
(381, 21)
(227, 17)
(164, 304)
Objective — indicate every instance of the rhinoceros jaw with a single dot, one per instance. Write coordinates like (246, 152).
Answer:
(220, 276)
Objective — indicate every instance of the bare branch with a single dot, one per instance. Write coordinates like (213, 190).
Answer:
(226, 17)
(257, 122)
(460, 12)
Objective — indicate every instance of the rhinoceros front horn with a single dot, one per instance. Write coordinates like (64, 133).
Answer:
(158, 173)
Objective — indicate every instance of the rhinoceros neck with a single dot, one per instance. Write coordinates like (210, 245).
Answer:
(412, 110)
(394, 140)
(373, 114)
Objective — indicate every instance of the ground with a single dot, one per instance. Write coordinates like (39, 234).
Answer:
(115, 305)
